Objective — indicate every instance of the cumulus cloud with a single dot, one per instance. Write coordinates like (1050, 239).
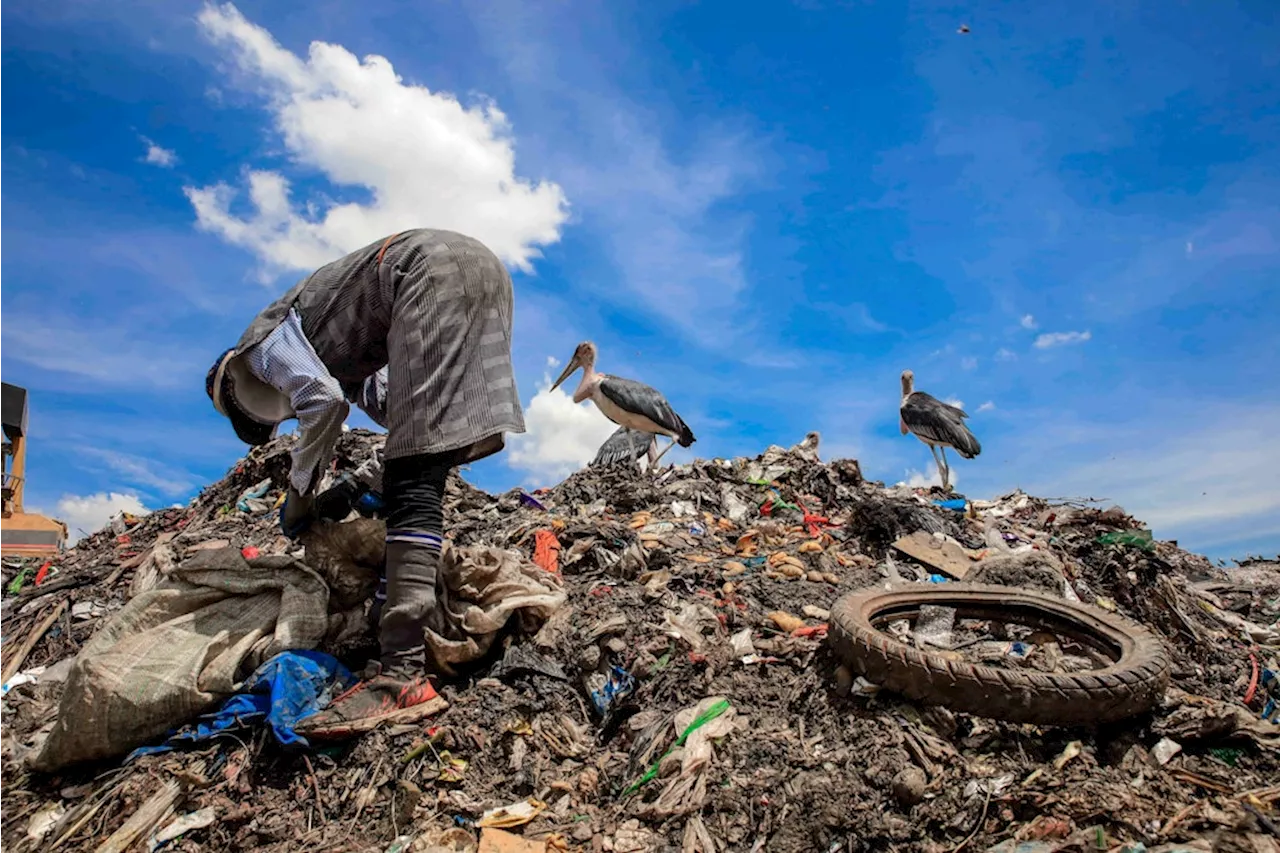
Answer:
(954, 401)
(930, 476)
(86, 514)
(425, 159)
(1029, 322)
(1058, 339)
(1004, 354)
(157, 156)
(987, 407)
(561, 436)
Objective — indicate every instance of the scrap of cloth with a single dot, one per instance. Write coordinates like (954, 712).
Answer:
(180, 649)
(282, 692)
(481, 589)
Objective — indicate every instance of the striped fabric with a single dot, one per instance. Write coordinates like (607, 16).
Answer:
(451, 386)
(416, 537)
(286, 360)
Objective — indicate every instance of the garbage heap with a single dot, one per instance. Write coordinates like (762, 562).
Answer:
(680, 692)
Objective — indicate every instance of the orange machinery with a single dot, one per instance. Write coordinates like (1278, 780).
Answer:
(22, 534)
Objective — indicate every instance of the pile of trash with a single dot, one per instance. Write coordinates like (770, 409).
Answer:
(636, 662)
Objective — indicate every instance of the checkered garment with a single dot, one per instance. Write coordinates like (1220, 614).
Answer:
(433, 307)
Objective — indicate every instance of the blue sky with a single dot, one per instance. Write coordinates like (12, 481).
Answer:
(1067, 219)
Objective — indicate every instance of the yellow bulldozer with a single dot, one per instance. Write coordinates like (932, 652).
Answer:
(22, 534)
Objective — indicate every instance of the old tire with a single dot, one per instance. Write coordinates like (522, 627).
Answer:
(1129, 686)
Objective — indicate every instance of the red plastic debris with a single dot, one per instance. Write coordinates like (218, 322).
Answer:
(250, 552)
(1253, 679)
(43, 573)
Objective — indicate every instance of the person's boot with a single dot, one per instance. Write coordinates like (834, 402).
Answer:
(398, 692)
(401, 694)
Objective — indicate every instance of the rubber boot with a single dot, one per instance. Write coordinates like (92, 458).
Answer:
(413, 562)
(379, 598)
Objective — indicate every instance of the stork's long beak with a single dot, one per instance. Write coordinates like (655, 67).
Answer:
(568, 370)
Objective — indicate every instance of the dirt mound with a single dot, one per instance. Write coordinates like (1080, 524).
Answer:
(684, 697)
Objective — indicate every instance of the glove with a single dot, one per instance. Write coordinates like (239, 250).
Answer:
(296, 514)
(336, 502)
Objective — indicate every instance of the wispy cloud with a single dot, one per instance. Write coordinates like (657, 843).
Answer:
(142, 473)
(425, 158)
(1207, 484)
(158, 156)
(1005, 354)
(112, 356)
(987, 407)
(1029, 322)
(969, 363)
(665, 214)
(1058, 339)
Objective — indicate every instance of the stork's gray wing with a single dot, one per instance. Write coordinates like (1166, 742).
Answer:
(625, 445)
(637, 397)
(934, 420)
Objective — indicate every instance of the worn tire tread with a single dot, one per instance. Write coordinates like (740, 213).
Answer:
(1129, 686)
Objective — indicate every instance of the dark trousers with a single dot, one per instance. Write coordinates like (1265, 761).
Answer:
(413, 491)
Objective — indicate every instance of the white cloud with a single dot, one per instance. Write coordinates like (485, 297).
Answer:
(954, 401)
(561, 436)
(987, 407)
(1029, 322)
(141, 472)
(552, 362)
(931, 476)
(425, 158)
(1004, 354)
(157, 156)
(90, 513)
(968, 363)
(1057, 339)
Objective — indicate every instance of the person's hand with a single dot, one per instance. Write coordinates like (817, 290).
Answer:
(296, 514)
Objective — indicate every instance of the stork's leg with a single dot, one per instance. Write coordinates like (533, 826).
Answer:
(653, 452)
(631, 446)
(662, 454)
(946, 471)
(938, 463)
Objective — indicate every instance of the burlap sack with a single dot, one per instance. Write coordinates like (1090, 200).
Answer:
(177, 650)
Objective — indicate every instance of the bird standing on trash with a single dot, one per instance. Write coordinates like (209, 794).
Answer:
(627, 445)
(624, 401)
(416, 330)
(937, 424)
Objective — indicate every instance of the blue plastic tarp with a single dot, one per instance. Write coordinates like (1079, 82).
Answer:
(282, 692)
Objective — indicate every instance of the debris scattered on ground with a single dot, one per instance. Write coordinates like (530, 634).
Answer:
(642, 663)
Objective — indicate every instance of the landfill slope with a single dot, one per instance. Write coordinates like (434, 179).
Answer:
(696, 605)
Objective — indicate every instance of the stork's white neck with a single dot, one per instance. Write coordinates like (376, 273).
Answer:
(590, 379)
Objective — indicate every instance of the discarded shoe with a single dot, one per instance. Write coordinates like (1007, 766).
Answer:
(381, 700)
